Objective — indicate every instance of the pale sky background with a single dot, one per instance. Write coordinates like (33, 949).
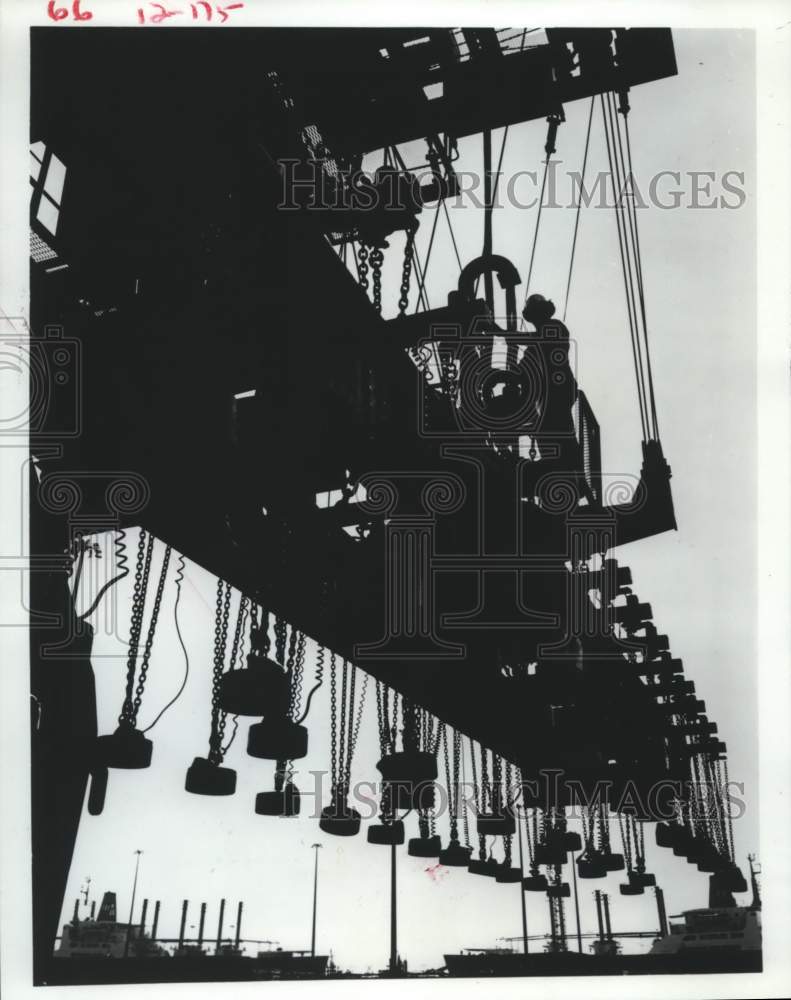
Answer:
(700, 293)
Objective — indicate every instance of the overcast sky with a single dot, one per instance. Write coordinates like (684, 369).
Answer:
(700, 291)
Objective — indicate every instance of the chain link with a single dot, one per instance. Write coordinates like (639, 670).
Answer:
(237, 635)
(406, 272)
(362, 264)
(145, 547)
(377, 259)
(141, 683)
(221, 615)
(333, 724)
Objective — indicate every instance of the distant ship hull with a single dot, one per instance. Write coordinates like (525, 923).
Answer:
(209, 968)
(571, 963)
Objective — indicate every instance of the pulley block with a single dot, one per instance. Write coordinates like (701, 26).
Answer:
(205, 778)
(126, 748)
(277, 739)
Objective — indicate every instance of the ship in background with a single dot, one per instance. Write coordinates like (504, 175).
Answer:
(103, 949)
(723, 937)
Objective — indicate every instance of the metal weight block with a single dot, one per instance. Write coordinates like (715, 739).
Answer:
(507, 874)
(455, 855)
(411, 766)
(534, 883)
(562, 891)
(496, 824)
(340, 819)
(571, 841)
(628, 889)
(613, 862)
(424, 847)
(665, 835)
(487, 866)
(205, 778)
(643, 879)
(98, 791)
(386, 833)
(255, 689)
(550, 854)
(126, 748)
(277, 739)
(284, 803)
(591, 868)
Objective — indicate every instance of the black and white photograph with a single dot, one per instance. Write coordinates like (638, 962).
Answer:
(394, 428)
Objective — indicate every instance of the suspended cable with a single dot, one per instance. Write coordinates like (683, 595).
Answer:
(549, 148)
(428, 258)
(638, 257)
(452, 235)
(579, 206)
(628, 232)
(623, 255)
(175, 698)
(496, 185)
(120, 557)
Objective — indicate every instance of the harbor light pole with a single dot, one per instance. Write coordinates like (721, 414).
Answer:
(132, 906)
(315, 848)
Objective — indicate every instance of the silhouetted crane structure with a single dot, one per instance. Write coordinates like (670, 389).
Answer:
(232, 372)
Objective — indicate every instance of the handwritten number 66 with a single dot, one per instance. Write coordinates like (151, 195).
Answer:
(58, 13)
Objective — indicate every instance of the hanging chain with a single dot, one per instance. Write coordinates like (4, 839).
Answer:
(280, 640)
(356, 729)
(333, 724)
(497, 782)
(639, 843)
(141, 683)
(586, 827)
(377, 259)
(362, 266)
(237, 635)
(348, 722)
(464, 810)
(221, 615)
(406, 271)
(342, 743)
(145, 547)
(380, 719)
(486, 790)
(728, 813)
(411, 721)
(290, 658)
(299, 673)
